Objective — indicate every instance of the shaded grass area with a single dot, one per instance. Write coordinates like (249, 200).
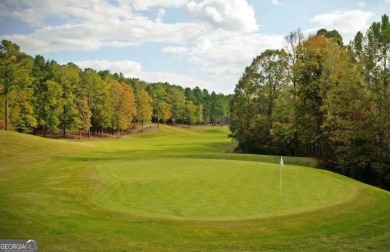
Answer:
(47, 193)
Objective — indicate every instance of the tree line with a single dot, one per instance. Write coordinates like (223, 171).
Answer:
(43, 97)
(320, 98)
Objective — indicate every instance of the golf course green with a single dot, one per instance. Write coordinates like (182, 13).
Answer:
(201, 189)
(179, 189)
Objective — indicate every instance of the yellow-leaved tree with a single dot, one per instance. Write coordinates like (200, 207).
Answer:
(144, 108)
(123, 107)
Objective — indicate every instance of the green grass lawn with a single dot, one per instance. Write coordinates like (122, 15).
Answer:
(177, 189)
(207, 189)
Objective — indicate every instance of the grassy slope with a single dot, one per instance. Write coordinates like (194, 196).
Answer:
(20, 149)
(47, 190)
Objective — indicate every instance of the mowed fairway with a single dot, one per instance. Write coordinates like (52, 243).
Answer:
(178, 189)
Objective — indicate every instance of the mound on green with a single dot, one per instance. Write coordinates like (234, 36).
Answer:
(200, 189)
(180, 189)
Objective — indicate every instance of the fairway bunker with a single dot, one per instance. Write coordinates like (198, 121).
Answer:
(207, 189)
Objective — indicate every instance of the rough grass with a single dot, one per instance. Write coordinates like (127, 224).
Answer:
(63, 194)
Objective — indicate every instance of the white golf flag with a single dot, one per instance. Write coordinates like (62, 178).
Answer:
(281, 161)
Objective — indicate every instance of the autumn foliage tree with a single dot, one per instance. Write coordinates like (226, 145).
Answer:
(42, 96)
(144, 108)
(123, 106)
(165, 111)
(324, 100)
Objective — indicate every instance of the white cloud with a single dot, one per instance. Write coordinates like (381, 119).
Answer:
(361, 4)
(175, 78)
(235, 48)
(174, 49)
(348, 23)
(127, 67)
(387, 1)
(66, 37)
(225, 59)
(234, 15)
(147, 4)
(134, 70)
(88, 36)
(90, 25)
(38, 13)
(275, 2)
(160, 15)
(344, 21)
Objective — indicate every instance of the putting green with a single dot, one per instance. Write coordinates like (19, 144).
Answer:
(207, 189)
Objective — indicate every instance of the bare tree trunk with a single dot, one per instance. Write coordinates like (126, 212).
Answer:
(158, 118)
(6, 113)
(6, 100)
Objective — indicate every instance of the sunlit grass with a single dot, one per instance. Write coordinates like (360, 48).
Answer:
(201, 189)
(177, 190)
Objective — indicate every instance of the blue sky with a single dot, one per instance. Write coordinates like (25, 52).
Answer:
(205, 43)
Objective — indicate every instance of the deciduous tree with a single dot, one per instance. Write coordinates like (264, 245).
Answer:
(144, 108)
(123, 107)
(15, 81)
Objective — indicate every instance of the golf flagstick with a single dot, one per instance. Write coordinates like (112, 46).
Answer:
(280, 175)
